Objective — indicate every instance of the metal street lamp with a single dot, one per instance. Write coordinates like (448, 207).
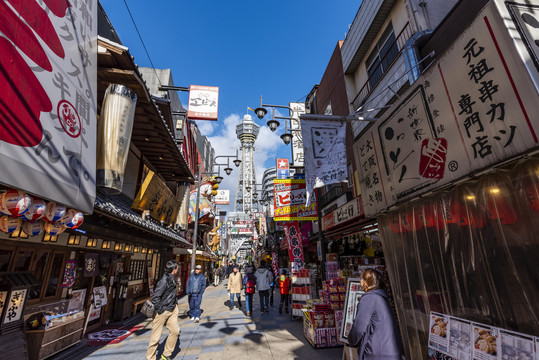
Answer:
(218, 178)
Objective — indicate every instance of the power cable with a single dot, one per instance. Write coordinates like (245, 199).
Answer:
(142, 41)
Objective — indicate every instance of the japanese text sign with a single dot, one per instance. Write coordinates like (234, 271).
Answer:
(289, 201)
(295, 129)
(203, 102)
(48, 92)
(462, 115)
(295, 245)
(15, 306)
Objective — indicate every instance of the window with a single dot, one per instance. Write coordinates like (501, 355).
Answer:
(5, 257)
(23, 260)
(40, 270)
(56, 275)
(385, 51)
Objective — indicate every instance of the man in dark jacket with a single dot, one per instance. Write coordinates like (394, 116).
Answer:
(166, 312)
(195, 288)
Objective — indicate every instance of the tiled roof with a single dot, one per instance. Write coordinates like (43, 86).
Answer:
(119, 206)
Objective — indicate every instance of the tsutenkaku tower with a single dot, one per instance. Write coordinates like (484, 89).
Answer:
(247, 132)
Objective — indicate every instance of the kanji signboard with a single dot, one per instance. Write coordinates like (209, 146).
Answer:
(463, 115)
(289, 201)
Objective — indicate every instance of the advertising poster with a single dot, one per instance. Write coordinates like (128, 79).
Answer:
(439, 332)
(100, 296)
(295, 245)
(460, 343)
(517, 346)
(94, 313)
(77, 300)
(486, 342)
(353, 294)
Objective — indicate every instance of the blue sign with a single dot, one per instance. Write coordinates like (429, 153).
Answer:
(283, 173)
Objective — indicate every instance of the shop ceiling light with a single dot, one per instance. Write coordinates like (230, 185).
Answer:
(106, 245)
(73, 240)
(494, 190)
(118, 247)
(470, 197)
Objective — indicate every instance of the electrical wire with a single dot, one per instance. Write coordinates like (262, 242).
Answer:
(142, 41)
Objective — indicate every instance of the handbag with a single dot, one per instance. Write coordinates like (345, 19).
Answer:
(148, 309)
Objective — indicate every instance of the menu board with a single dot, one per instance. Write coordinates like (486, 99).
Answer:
(454, 338)
(353, 294)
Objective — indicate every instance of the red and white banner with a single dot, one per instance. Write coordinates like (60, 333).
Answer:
(203, 102)
(289, 201)
(295, 245)
(275, 265)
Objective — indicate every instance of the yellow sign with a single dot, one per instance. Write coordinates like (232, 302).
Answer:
(156, 197)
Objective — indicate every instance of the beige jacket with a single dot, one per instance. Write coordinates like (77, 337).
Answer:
(234, 283)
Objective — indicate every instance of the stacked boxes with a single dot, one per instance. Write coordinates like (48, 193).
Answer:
(301, 290)
(319, 328)
(335, 293)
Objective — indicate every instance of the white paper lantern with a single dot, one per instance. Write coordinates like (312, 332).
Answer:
(32, 228)
(9, 224)
(36, 211)
(54, 211)
(54, 229)
(15, 202)
(72, 219)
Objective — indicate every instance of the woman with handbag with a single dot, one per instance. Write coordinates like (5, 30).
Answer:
(166, 313)
(374, 331)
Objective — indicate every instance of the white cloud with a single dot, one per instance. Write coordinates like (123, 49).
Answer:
(206, 127)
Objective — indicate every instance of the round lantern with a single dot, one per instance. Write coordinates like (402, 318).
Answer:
(9, 224)
(36, 211)
(54, 229)
(15, 202)
(54, 211)
(72, 219)
(32, 228)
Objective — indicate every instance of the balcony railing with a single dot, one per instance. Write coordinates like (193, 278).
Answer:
(383, 67)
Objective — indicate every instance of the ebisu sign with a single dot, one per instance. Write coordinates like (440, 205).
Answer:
(48, 92)
(463, 115)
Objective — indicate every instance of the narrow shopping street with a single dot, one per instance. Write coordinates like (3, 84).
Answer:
(221, 334)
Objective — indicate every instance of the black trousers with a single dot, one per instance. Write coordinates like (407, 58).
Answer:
(285, 299)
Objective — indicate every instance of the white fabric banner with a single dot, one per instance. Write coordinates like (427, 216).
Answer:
(324, 144)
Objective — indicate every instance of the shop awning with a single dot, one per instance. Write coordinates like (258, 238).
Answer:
(351, 227)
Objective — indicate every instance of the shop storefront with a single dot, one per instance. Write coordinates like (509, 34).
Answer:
(458, 215)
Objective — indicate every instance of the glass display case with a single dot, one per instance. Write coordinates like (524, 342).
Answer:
(56, 314)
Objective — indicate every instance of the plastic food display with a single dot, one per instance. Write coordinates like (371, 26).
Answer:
(58, 313)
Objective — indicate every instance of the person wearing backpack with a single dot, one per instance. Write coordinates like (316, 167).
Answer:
(166, 313)
(264, 278)
(249, 283)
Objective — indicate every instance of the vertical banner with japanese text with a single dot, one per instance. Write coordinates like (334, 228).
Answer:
(48, 97)
(295, 245)
(275, 264)
(297, 138)
(324, 143)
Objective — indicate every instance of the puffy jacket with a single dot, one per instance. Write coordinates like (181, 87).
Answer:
(374, 331)
(196, 284)
(284, 284)
(264, 278)
(164, 296)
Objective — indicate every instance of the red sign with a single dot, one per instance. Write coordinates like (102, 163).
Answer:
(282, 164)
(295, 245)
(289, 201)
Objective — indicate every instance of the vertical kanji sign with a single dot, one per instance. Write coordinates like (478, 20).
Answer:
(295, 245)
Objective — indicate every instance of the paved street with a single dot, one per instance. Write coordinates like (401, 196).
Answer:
(221, 334)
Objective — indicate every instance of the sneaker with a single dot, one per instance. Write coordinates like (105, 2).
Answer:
(197, 320)
(163, 357)
(191, 318)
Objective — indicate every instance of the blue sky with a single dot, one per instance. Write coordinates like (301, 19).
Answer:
(278, 49)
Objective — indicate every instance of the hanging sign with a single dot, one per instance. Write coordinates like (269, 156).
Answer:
(464, 114)
(14, 306)
(289, 201)
(297, 138)
(48, 91)
(203, 102)
(222, 197)
(295, 245)
(324, 143)
(69, 273)
(283, 171)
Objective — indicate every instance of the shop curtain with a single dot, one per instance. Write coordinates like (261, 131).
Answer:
(470, 252)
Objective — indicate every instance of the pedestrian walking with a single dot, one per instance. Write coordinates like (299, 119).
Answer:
(249, 283)
(166, 313)
(234, 287)
(264, 278)
(215, 276)
(284, 287)
(195, 288)
(374, 331)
